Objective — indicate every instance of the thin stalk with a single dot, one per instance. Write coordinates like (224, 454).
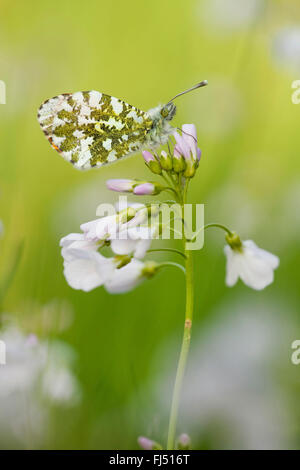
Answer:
(172, 250)
(221, 226)
(171, 263)
(185, 341)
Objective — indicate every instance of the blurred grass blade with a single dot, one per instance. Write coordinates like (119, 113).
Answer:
(8, 278)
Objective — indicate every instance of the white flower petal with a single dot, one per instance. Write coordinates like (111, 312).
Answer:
(126, 278)
(123, 246)
(75, 241)
(142, 246)
(98, 229)
(232, 274)
(87, 269)
(271, 259)
(253, 265)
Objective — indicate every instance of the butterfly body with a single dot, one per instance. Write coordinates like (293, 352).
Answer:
(91, 129)
(161, 128)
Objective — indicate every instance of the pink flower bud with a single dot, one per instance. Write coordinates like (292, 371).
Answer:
(186, 148)
(184, 442)
(148, 157)
(120, 185)
(146, 443)
(144, 189)
(165, 161)
(152, 162)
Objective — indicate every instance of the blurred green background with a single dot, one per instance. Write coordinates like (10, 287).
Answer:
(145, 53)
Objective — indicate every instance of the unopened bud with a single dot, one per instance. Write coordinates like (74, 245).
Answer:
(120, 185)
(191, 167)
(179, 164)
(152, 162)
(234, 241)
(150, 268)
(184, 442)
(165, 161)
(146, 189)
(147, 444)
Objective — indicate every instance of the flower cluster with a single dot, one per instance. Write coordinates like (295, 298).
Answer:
(129, 237)
(128, 234)
(185, 158)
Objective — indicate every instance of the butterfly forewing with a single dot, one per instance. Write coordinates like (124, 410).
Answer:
(91, 129)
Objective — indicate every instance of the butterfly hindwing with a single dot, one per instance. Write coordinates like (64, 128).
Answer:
(91, 128)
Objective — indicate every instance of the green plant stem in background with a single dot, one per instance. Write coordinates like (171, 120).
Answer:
(184, 350)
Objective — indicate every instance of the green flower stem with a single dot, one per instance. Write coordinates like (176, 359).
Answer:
(221, 226)
(171, 263)
(189, 304)
(171, 190)
(172, 250)
(184, 350)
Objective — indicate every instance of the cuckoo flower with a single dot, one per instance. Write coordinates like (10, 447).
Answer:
(246, 260)
(128, 235)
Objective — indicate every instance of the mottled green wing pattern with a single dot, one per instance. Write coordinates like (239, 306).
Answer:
(90, 129)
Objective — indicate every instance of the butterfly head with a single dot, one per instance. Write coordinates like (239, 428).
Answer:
(168, 111)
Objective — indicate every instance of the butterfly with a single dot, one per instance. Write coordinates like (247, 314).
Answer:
(90, 129)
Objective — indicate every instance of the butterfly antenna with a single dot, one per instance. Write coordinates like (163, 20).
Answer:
(186, 133)
(168, 144)
(199, 85)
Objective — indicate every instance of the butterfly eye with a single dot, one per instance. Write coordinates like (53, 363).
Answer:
(164, 112)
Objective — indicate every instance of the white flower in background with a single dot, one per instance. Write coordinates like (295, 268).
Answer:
(253, 265)
(58, 382)
(286, 47)
(24, 360)
(36, 374)
(234, 390)
(230, 15)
